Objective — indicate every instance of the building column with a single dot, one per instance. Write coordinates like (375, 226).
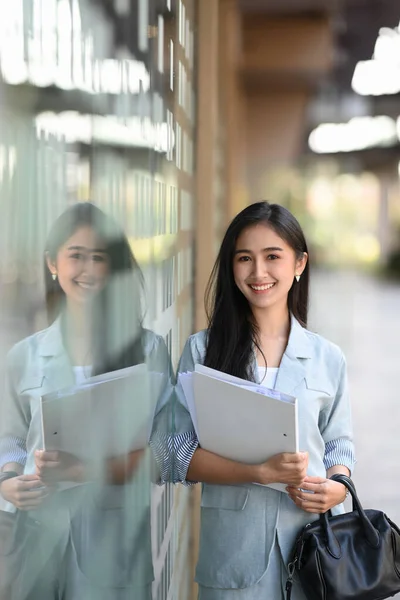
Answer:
(207, 137)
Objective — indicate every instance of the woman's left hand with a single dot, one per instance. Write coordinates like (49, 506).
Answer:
(58, 466)
(321, 495)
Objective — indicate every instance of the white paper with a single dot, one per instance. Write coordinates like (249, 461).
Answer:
(270, 393)
(223, 376)
(250, 385)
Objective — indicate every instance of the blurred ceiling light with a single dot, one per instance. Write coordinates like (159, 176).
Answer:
(381, 75)
(133, 132)
(387, 46)
(398, 127)
(374, 78)
(56, 50)
(358, 134)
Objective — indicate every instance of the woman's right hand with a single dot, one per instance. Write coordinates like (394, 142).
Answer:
(287, 468)
(26, 492)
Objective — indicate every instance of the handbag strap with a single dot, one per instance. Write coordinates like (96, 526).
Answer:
(371, 534)
(349, 485)
(369, 530)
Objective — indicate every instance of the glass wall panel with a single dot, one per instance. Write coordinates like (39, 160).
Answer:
(97, 128)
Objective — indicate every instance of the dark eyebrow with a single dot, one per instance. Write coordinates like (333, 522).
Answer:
(271, 249)
(88, 249)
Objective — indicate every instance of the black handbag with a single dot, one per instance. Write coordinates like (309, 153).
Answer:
(353, 556)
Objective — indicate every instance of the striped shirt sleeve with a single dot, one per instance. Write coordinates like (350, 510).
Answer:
(12, 450)
(185, 445)
(173, 455)
(339, 452)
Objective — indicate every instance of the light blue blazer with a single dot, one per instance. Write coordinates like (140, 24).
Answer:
(241, 523)
(111, 552)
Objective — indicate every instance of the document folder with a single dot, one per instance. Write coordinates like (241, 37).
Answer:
(108, 415)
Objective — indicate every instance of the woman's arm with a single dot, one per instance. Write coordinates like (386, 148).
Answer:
(188, 463)
(338, 469)
(120, 470)
(53, 467)
(339, 455)
(283, 468)
(321, 494)
(25, 492)
(173, 439)
(211, 468)
(12, 450)
(13, 466)
(336, 426)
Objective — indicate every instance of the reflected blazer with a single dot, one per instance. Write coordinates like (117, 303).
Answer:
(111, 516)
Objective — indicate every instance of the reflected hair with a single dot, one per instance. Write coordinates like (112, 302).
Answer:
(232, 331)
(114, 345)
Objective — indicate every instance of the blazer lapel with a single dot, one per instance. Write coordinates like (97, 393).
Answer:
(57, 369)
(292, 369)
(291, 373)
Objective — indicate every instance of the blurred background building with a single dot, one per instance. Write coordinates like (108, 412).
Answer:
(301, 107)
(173, 115)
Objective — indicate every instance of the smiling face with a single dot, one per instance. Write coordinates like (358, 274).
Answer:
(264, 267)
(81, 265)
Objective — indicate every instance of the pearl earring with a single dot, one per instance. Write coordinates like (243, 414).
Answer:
(297, 278)
(54, 276)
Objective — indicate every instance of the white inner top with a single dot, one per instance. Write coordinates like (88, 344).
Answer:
(268, 380)
(82, 374)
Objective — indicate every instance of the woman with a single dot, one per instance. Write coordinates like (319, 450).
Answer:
(257, 313)
(83, 548)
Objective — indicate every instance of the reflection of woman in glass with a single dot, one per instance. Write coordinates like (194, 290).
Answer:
(84, 549)
(257, 331)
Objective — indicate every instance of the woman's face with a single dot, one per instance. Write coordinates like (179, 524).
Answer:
(264, 267)
(81, 265)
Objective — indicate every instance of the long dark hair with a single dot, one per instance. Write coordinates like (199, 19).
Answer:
(232, 332)
(116, 314)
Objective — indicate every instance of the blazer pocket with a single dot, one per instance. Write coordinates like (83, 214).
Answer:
(319, 395)
(228, 497)
(115, 551)
(110, 497)
(314, 384)
(233, 545)
(30, 382)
